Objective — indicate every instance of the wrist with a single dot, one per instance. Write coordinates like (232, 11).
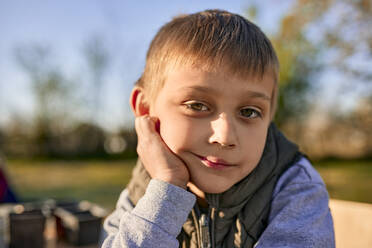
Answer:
(180, 184)
(177, 182)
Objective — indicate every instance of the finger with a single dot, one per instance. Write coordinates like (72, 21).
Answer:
(140, 123)
(146, 133)
(139, 129)
(149, 145)
(142, 139)
(136, 124)
(147, 126)
(153, 122)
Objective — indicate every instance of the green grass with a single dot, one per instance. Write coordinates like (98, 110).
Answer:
(102, 181)
(348, 180)
(97, 181)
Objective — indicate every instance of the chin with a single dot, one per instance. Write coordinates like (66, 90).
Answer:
(212, 189)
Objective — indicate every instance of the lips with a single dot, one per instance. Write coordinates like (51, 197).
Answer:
(214, 163)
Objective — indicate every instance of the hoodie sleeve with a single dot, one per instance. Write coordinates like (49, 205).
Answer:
(299, 216)
(155, 221)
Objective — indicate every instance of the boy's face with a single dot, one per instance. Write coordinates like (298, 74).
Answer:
(216, 123)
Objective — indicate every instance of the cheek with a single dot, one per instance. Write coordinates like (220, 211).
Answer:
(179, 133)
(255, 143)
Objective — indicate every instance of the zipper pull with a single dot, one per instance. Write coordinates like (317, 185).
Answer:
(204, 232)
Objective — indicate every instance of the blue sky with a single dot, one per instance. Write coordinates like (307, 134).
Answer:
(127, 28)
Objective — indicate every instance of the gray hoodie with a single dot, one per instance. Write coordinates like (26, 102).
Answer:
(299, 214)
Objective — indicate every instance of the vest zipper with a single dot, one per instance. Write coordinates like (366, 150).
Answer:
(205, 240)
(212, 226)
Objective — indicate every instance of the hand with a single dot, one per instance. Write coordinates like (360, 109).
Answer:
(160, 162)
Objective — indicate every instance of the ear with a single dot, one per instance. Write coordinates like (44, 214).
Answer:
(138, 103)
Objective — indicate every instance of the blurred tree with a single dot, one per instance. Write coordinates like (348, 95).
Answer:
(295, 54)
(332, 36)
(318, 36)
(52, 92)
(2, 140)
(18, 137)
(97, 59)
(347, 33)
(84, 140)
(361, 119)
(130, 137)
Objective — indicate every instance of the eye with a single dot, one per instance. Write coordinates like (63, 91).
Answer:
(250, 113)
(196, 106)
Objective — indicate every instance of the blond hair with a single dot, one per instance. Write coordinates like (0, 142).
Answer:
(210, 40)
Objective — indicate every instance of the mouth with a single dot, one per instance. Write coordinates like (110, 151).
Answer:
(214, 163)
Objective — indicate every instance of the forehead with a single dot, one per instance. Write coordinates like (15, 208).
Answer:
(217, 82)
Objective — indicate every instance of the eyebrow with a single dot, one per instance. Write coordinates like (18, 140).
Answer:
(250, 93)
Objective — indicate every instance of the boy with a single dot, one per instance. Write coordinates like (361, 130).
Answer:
(213, 171)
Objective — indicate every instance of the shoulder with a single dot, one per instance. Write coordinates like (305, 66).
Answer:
(299, 215)
(300, 188)
(301, 173)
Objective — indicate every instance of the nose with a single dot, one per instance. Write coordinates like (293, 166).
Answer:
(223, 132)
